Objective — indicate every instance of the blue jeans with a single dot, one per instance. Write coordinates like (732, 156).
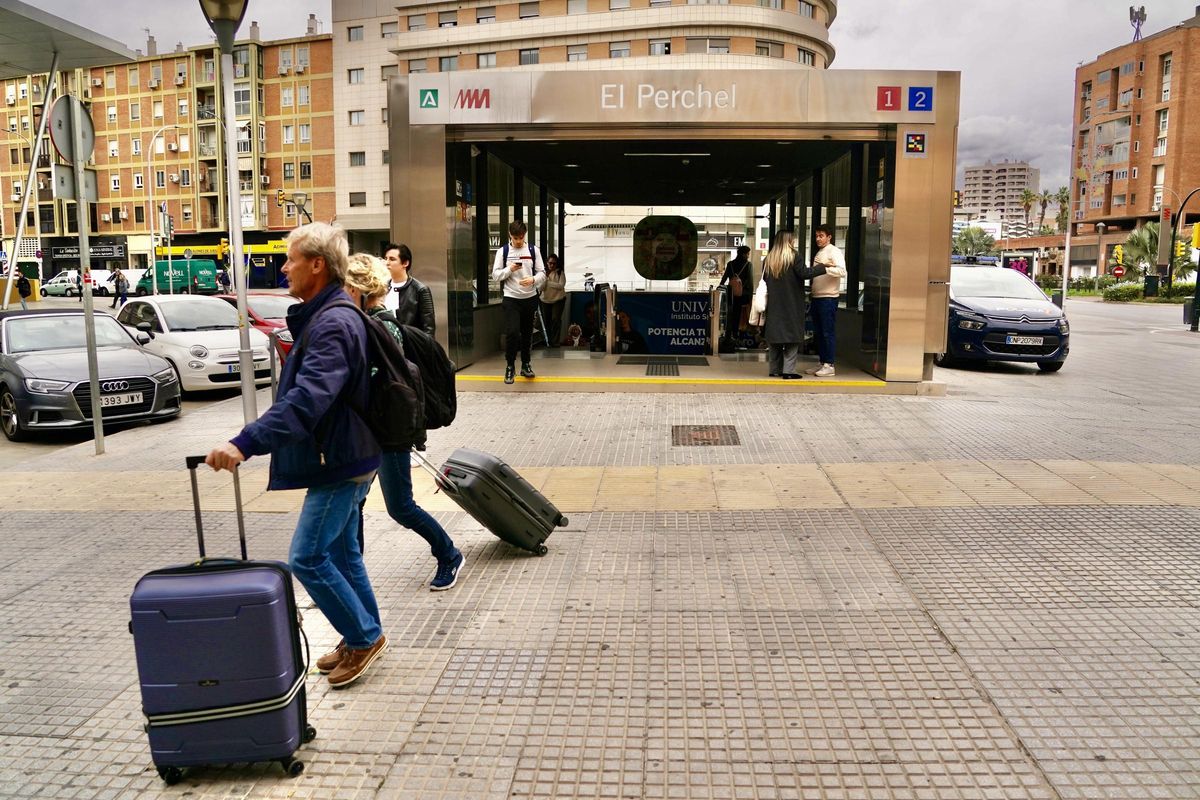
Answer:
(395, 479)
(326, 559)
(824, 317)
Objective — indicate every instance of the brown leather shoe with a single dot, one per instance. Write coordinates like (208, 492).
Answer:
(327, 662)
(354, 664)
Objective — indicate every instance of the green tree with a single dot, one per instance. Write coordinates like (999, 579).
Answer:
(1044, 199)
(1028, 198)
(1063, 196)
(974, 241)
(1141, 247)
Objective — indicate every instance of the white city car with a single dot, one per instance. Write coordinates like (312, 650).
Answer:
(199, 336)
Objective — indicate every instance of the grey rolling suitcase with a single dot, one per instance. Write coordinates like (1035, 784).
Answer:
(497, 497)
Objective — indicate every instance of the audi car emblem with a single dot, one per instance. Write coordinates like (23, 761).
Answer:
(114, 386)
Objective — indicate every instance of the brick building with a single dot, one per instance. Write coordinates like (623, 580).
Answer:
(1137, 134)
(160, 132)
(375, 39)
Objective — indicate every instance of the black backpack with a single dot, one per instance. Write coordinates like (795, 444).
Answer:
(395, 410)
(437, 375)
(23, 287)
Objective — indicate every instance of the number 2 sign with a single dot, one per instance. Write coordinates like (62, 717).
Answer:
(920, 98)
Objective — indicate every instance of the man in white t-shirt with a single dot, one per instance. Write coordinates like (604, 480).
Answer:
(825, 291)
(520, 273)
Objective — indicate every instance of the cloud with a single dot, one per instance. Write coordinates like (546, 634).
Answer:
(995, 138)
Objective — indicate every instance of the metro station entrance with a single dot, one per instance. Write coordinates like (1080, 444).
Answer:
(870, 154)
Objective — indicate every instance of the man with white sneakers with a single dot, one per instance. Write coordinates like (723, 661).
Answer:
(825, 291)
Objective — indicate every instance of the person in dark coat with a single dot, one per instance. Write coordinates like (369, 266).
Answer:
(784, 330)
(737, 293)
(407, 298)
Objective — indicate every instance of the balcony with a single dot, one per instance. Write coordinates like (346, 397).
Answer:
(207, 150)
(206, 113)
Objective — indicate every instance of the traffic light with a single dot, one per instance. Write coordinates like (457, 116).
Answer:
(1196, 235)
(957, 198)
(1180, 249)
(279, 197)
(1119, 254)
(223, 250)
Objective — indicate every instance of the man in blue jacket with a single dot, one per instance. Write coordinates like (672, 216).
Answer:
(318, 443)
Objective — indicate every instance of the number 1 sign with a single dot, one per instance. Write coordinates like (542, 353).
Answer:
(887, 98)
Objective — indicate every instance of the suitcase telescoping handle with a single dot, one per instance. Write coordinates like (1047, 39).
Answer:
(441, 480)
(192, 463)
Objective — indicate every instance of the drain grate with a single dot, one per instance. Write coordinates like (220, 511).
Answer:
(678, 361)
(662, 369)
(704, 435)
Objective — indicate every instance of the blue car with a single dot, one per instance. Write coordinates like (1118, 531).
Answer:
(998, 314)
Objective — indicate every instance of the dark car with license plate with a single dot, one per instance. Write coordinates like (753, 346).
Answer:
(44, 382)
(998, 314)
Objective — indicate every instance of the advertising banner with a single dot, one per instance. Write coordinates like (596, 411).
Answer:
(662, 324)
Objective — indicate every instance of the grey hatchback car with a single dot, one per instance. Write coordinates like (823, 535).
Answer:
(44, 374)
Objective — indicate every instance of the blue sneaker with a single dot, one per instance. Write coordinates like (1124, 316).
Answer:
(447, 573)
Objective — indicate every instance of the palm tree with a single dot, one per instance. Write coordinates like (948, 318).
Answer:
(1141, 247)
(1028, 198)
(1044, 199)
(974, 242)
(1063, 196)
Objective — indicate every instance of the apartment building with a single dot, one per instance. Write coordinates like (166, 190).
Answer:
(1137, 131)
(993, 191)
(160, 143)
(374, 40)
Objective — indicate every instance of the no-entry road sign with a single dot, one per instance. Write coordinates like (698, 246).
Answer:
(1118, 271)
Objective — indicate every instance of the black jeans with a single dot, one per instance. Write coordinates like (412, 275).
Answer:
(518, 327)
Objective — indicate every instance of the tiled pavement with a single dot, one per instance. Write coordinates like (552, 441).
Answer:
(867, 598)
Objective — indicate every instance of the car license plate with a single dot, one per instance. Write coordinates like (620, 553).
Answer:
(128, 399)
(235, 367)
(1035, 340)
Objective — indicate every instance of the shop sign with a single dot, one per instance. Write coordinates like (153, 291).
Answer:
(96, 251)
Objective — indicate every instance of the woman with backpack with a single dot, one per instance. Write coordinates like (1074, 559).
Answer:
(24, 289)
(367, 283)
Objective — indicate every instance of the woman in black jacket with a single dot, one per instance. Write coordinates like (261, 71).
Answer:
(737, 284)
(784, 330)
(408, 298)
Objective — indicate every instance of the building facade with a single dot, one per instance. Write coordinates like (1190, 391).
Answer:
(160, 144)
(993, 191)
(376, 39)
(1137, 132)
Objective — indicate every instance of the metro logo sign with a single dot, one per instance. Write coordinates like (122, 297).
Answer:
(473, 98)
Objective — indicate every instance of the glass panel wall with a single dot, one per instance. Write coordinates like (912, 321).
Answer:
(500, 199)
(874, 263)
(461, 186)
(835, 203)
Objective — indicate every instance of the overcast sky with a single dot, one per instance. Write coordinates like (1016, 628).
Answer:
(1017, 57)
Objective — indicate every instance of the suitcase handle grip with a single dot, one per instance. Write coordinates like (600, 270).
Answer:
(192, 463)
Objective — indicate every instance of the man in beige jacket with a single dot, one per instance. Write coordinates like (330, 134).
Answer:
(825, 291)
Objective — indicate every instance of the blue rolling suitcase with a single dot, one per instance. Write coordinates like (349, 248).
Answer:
(220, 658)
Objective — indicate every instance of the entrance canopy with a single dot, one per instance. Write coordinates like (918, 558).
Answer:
(29, 38)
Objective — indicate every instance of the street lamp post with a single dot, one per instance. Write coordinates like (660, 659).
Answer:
(224, 17)
(152, 209)
(300, 201)
(1100, 226)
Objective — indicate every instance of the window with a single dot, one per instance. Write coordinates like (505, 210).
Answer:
(386, 156)
(807, 9)
(285, 97)
(1102, 77)
(302, 55)
(110, 79)
(305, 133)
(139, 182)
(114, 213)
(116, 183)
(357, 118)
(528, 11)
(358, 158)
(576, 6)
(241, 100)
(808, 57)
(529, 56)
(1160, 147)
(447, 19)
(185, 177)
(305, 170)
(137, 146)
(387, 197)
(112, 117)
(1161, 117)
(1126, 97)
(1137, 147)
(416, 22)
(158, 109)
(139, 214)
(135, 110)
(244, 142)
(776, 4)
(241, 64)
(660, 47)
(659, 3)
(485, 14)
(160, 178)
(1118, 200)
(183, 107)
(577, 52)
(618, 50)
(187, 212)
(388, 71)
(708, 2)
(383, 115)
(289, 134)
(358, 199)
(354, 75)
(710, 46)
(113, 148)
(486, 60)
(289, 209)
(1139, 93)
(303, 95)
(1120, 175)
(289, 170)
(416, 66)
(617, 5)
(354, 33)
(770, 49)
(132, 76)
(285, 58)
(448, 63)
(389, 30)
(1127, 68)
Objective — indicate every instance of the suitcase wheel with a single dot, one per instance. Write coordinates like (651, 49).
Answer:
(541, 550)
(171, 775)
(310, 733)
(292, 767)
(562, 521)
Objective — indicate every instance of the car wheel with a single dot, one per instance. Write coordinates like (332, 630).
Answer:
(45, 293)
(1050, 366)
(10, 419)
(70, 293)
(139, 292)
